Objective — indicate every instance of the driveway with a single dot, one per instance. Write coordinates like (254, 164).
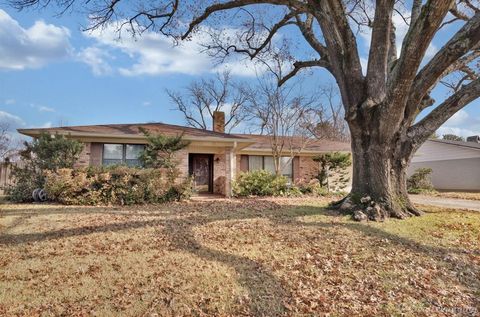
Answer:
(446, 202)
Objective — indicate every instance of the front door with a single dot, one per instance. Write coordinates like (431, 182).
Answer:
(201, 169)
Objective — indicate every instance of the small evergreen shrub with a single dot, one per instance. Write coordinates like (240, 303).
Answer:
(261, 183)
(333, 174)
(118, 185)
(420, 181)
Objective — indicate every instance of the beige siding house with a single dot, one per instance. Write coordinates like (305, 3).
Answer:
(214, 158)
(455, 164)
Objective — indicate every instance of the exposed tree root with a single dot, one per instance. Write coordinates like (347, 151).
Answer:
(365, 208)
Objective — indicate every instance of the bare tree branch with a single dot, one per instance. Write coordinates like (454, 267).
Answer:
(282, 114)
(414, 47)
(431, 122)
(236, 4)
(309, 35)
(202, 98)
(416, 9)
(252, 49)
(342, 50)
(380, 48)
(297, 66)
(447, 59)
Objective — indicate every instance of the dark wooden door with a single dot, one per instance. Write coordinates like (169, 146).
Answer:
(201, 169)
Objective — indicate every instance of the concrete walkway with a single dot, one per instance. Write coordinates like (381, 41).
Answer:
(446, 202)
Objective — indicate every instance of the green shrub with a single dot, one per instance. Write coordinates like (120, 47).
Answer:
(420, 181)
(26, 181)
(312, 187)
(263, 183)
(44, 153)
(118, 185)
(160, 151)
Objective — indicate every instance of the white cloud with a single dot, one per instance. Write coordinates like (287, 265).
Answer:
(42, 108)
(458, 118)
(13, 121)
(147, 103)
(10, 101)
(462, 124)
(45, 109)
(96, 58)
(33, 47)
(457, 131)
(155, 54)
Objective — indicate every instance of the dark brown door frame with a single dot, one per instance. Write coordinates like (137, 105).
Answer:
(210, 168)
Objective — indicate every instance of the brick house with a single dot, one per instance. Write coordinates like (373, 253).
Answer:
(213, 157)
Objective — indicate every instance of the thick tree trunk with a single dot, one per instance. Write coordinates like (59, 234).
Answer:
(379, 188)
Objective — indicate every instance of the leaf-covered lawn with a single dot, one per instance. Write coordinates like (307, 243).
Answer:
(288, 257)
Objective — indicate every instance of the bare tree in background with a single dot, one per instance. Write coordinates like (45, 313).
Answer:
(203, 97)
(381, 107)
(282, 114)
(327, 120)
(5, 142)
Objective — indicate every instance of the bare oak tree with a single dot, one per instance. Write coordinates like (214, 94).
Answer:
(381, 107)
(203, 97)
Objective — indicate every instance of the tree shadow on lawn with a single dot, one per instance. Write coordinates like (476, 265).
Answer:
(267, 293)
(79, 210)
(468, 273)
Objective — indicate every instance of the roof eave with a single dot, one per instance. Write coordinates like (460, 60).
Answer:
(37, 132)
(302, 152)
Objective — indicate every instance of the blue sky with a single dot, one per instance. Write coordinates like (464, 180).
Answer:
(52, 73)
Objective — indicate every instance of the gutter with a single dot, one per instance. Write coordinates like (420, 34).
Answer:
(37, 132)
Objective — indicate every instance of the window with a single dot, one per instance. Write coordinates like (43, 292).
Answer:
(122, 154)
(112, 154)
(268, 164)
(287, 167)
(132, 153)
(257, 162)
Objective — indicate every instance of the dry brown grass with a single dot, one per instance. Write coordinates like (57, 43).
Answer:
(460, 195)
(238, 258)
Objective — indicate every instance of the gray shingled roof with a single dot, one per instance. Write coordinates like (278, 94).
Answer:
(472, 145)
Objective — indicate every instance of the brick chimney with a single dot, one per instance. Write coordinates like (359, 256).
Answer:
(219, 121)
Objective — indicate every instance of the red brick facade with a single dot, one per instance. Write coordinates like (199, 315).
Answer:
(304, 167)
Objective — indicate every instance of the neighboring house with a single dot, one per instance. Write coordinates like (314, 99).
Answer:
(213, 157)
(455, 164)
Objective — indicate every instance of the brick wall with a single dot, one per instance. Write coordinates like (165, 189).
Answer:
(219, 170)
(182, 163)
(84, 158)
(307, 168)
(241, 163)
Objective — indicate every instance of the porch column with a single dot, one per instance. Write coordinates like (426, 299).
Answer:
(230, 169)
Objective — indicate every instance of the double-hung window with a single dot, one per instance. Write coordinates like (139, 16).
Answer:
(122, 154)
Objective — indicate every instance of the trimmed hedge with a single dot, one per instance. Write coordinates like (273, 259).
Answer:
(119, 185)
(263, 183)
